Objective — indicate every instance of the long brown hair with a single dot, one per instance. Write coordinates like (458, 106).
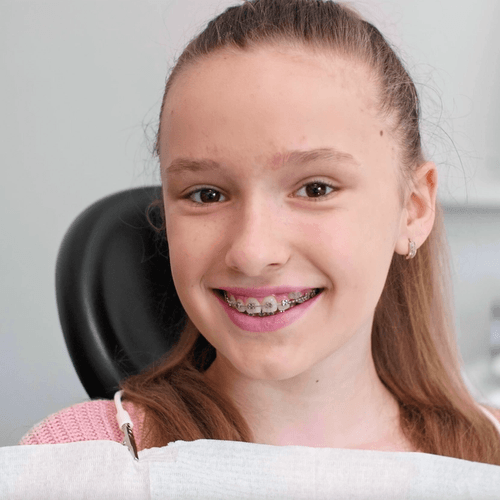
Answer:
(413, 335)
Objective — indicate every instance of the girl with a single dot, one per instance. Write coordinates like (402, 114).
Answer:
(307, 249)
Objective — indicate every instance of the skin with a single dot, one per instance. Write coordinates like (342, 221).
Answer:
(312, 383)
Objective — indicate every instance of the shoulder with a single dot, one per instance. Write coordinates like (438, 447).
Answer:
(88, 421)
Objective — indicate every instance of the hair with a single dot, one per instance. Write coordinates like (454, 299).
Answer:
(413, 335)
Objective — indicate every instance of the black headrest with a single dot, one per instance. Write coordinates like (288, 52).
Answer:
(118, 307)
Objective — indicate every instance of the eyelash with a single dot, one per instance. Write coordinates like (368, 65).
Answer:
(189, 196)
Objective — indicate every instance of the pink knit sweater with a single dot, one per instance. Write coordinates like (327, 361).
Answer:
(89, 421)
(96, 420)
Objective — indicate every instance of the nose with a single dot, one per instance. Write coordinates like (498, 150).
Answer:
(257, 240)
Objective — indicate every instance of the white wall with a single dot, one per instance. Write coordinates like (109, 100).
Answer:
(81, 80)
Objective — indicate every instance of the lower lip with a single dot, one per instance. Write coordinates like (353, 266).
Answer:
(267, 323)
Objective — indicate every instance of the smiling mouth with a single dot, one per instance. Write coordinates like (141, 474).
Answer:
(268, 306)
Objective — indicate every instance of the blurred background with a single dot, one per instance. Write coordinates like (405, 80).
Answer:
(80, 91)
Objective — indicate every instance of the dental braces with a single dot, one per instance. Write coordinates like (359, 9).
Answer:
(284, 303)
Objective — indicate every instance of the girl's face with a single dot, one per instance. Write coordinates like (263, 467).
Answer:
(277, 172)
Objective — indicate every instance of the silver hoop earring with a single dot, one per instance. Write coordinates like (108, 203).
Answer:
(412, 249)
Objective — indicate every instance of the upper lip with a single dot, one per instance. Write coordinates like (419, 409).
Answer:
(266, 291)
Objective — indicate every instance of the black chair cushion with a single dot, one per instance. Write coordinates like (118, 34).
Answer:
(117, 304)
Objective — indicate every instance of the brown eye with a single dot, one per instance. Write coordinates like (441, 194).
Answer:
(315, 190)
(209, 195)
(205, 196)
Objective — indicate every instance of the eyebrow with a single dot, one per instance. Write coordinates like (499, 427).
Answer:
(296, 157)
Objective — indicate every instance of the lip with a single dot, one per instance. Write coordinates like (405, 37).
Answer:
(266, 291)
(267, 323)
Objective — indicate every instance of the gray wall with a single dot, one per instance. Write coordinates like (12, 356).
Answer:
(80, 93)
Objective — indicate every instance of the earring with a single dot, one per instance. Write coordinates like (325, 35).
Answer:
(412, 249)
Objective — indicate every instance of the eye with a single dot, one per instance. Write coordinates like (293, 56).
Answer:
(205, 196)
(315, 190)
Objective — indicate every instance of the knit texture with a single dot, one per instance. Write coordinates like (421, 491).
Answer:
(89, 421)
(96, 420)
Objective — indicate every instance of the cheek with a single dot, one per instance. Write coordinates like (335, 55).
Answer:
(372, 248)
(353, 247)
(183, 250)
(192, 247)
(332, 241)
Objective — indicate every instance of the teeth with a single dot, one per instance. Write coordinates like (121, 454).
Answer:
(253, 306)
(284, 305)
(269, 304)
(303, 298)
(241, 306)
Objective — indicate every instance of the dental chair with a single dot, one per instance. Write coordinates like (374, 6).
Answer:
(116, 300)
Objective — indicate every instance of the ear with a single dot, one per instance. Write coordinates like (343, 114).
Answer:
(417, 218)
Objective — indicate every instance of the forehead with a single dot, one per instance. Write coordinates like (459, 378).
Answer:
(271, 99)
(274, 69)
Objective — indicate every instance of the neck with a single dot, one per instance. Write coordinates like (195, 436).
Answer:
(337, 405)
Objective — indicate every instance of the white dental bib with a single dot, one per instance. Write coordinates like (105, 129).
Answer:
(212, 469)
